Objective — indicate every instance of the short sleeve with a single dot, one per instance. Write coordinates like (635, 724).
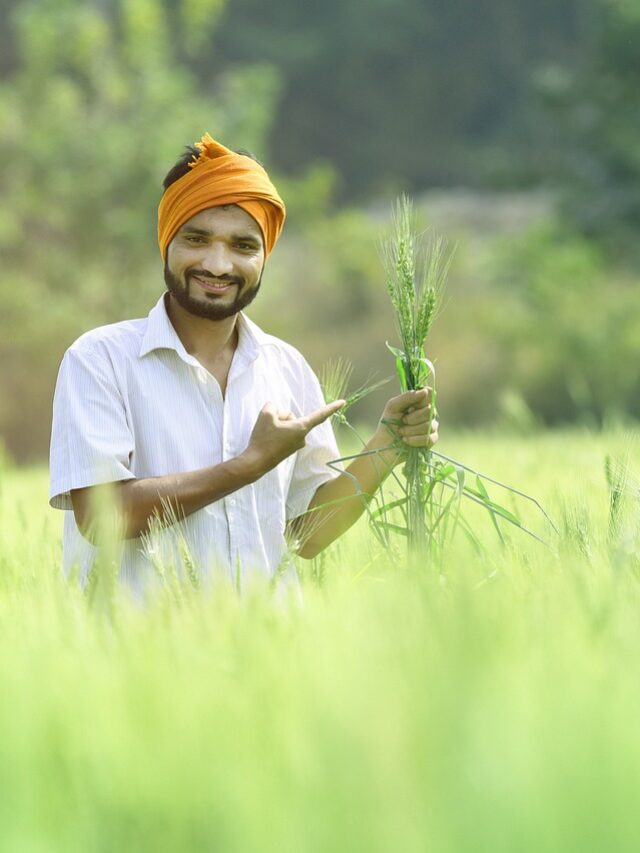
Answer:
(311, 468)
(91, 440)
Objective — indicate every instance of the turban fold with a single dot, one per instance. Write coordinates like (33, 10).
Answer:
(220, 176)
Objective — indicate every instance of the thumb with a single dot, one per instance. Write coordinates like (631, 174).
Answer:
(320, 415)
(268, 409)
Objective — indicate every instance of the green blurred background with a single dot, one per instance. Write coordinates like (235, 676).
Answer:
(514, 125)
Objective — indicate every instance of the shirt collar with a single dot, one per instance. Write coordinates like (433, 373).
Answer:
(160, 334)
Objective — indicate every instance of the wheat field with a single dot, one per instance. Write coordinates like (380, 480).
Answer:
(488, 703)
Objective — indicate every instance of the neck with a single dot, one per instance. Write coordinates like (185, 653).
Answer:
(202, 338)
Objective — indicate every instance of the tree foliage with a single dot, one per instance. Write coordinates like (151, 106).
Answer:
(345, 102)
(99, 103)
(594, 108)
(406, 93)
(567, 326)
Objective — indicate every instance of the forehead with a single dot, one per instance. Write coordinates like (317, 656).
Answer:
(228, 218)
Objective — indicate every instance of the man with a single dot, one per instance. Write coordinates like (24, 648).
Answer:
(196, 411)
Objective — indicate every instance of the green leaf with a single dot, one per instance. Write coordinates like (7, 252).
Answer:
(484, 496)
(482, 489)
(444, 473)
(402, 366)
(397, 352)
(403, 531)
(493, 506)
(388, 507)
(505, 513)
(423, 370)
(401, 370)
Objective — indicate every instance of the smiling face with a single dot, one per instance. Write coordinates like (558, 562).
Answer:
(214, 262)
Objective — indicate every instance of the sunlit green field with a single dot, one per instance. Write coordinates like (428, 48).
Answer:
(491, 703)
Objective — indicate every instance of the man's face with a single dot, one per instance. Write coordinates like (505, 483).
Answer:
(214, 262)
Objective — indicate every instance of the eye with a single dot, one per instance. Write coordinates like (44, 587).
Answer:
(193, 239)
(246, 246)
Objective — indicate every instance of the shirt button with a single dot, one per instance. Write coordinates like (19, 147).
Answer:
(232, 501)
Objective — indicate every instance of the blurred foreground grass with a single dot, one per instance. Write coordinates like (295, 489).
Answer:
(490, 706)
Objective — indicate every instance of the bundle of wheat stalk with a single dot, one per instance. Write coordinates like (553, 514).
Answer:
(415, 277)
(434, 485)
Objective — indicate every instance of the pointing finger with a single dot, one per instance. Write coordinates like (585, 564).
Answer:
(315, 418)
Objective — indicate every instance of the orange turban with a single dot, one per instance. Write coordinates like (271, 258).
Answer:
(220, 176)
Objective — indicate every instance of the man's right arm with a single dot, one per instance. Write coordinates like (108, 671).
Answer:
(139, 500)
(274, 437)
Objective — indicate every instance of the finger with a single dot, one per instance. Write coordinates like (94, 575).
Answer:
(268, 409)
(420, 416)
(398, 405)
(421, 440)
(285, 416)
(409, 400)
(419, 429)
(315, 418)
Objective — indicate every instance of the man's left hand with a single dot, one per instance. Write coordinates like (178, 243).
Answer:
(417, 425)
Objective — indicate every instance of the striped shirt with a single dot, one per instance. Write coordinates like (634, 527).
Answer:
(131, 402)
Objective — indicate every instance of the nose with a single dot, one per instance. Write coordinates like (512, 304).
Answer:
(217, 260)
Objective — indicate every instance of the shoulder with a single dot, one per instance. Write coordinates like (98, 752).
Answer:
(291, 365)
(274, 346)
(112, 342)
(286, 351)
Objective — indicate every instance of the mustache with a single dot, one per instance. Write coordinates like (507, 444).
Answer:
(222, 279)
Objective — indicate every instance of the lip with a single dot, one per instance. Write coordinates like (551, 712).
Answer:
(212, 288)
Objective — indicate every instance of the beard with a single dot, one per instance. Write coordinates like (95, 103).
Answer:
(210, 308)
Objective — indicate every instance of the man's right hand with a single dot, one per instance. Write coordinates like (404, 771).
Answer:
(277, 434)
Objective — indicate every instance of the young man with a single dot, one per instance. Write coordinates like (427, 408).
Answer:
(196, 408)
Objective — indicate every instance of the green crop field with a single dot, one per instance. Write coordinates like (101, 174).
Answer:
(487, 703)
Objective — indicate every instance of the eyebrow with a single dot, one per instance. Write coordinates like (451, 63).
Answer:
(203, 232)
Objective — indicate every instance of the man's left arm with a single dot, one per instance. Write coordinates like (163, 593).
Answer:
(339, 503)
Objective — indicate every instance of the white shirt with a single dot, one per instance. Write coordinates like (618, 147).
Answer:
(130, 402)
